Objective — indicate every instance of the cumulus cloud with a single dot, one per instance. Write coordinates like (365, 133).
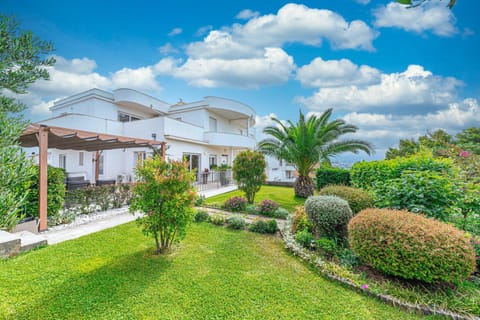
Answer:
(274, 67)
(293, 23)
(436, 18)
(175, 32)
(385, 130)
(247, 14)
(335, 73)
(71, 76)
(415, 88)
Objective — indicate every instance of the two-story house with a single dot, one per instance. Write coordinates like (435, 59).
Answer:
(206, 133)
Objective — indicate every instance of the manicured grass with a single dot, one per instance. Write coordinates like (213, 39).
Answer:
(282, 195)
(215, 273)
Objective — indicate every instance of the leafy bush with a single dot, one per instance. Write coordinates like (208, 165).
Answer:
(366, 174)
(201, 216)
(55, 192)
(305, 238)
(357, 199)
(236, 222)
(267, 207)
(63, 217)
(347, 257)
(300, 220)
(411, 246)
(328, 175)
(165, 195)
(429, 193)
(263, 226)
(251, 209)
(199, 200)
(235, 204)
(326, 246)
(281, 213)
(249, 172)
(330, 215)
(217, 219)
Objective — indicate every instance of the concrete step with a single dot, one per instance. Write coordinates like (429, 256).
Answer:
(9, 244)
(29, 240)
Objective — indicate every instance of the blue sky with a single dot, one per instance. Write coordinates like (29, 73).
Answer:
(393, 72)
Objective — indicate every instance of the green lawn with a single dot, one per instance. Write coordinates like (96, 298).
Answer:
(282, 195)
(215, 273)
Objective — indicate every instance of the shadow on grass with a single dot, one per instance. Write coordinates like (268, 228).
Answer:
(90, 293)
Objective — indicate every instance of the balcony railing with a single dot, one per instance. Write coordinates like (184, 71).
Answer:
(213, 180)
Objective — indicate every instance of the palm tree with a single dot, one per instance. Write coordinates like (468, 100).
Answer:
(309, 142)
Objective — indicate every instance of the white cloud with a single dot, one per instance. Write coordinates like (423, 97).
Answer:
(247, 14)
(436, 18)
(167, 49)
(414, 88)
(385, 130)
(293, 23)
(364, 2)
(175, 32)
(203, 30)
(274, 67)
(335, 73)
(141, 78)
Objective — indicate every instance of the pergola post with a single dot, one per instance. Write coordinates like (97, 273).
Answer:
(97, 166)
(164, 151)
(43, 181)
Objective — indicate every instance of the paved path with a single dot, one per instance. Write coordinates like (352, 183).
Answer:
(77, 231)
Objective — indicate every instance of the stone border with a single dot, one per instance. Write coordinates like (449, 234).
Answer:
(317, 262)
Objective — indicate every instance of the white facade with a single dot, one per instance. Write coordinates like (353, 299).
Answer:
(280, 170)
(210, 131)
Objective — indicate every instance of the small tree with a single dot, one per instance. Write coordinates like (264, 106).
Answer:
(22, 62)
(164, 194)
(249, 173)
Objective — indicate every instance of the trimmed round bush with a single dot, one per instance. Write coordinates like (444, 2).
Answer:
(357, 199)
(281, 213)
(305, 238)
(235, 204)
(411, 246)
(263, 226)
(217, 219)
(201, 216)
(267, 207)
(300, 220)
(330, 215)
(236, 222)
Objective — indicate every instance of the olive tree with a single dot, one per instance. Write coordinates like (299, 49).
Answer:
(22, 61)
(164, 194)
(249, 173)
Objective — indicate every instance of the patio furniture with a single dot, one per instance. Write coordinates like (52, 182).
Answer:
(74, 183)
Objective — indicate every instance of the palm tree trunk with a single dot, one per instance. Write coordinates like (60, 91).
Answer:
(304, 187)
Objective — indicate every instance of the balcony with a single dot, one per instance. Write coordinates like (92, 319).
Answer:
(229, 139)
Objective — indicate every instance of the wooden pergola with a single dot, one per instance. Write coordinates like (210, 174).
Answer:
(46, 137)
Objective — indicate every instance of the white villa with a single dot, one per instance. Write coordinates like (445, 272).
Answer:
(207, 133)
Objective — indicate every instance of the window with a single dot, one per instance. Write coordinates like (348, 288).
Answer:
(125, 117)
(212, 161)
(81, 156)
(139, 157)
(100, 164)
(62, 161)
(290, 174)
(213, 124)
(193, 161)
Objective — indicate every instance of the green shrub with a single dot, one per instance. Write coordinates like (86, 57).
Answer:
(300, 220)
(263, 226)
(330, 215)
(305, 238)
(328, 175)
(281, 213)
(251, 209)
(411, 246)
(199, 200)
(235, 204)
(267, 207)
(55, 192)
(347, 257)
(236, 222)
(357, 199)
(366, 174)
(326, 247)
(217, 219)
(429, 193)
(201, 216)
(249, 172)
